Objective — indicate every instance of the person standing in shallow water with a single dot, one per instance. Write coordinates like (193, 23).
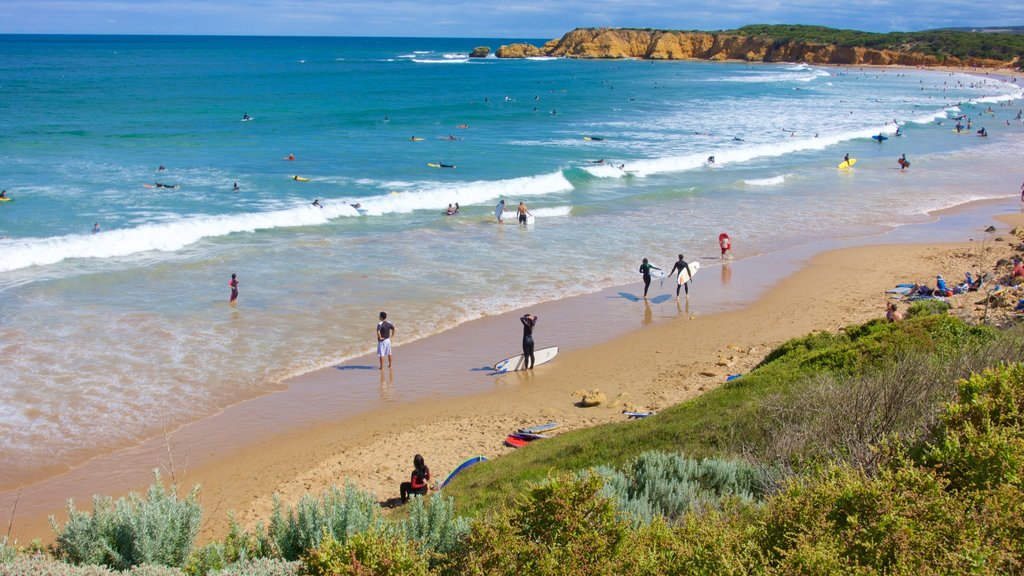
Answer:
(384, 331)
(234, 287)
(529, 321)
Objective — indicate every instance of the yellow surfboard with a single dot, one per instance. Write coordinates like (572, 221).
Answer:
(846, 164)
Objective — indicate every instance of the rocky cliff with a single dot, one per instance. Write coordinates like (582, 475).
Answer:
(672, 45)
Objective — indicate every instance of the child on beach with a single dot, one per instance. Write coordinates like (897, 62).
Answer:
(234, 288)
(417, 483)
(384, 331)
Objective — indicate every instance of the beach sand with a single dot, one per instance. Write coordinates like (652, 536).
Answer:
(665, 356)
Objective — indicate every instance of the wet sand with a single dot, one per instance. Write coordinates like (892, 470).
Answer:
(313, 433)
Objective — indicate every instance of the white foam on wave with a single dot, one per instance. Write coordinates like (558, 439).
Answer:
(175, 234)
(801, 75)
(542, 58)
(443, 61)
(552, 212)
(606, 170)
(773, 181)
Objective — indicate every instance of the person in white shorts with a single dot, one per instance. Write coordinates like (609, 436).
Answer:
(384, 331)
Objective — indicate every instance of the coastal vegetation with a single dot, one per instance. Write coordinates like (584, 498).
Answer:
(787, 43)
(883, 448)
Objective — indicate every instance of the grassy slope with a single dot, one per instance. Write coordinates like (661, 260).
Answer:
(719, 423)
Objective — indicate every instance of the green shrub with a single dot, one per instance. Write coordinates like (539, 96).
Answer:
(980, 442)
(237, 546)
(40, 565)
(927, 307)
(335, 514)
(563, 526)
(7, 551)
(433, 524)
(260, 567)
(659, 484)
(157, 529)
(369, 553)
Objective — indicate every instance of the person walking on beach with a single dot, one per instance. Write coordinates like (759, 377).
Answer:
(529, 321)
(417, 483)
(645, 269)
(725, 244)
(234, 288)
(678, 268)
(384, 331)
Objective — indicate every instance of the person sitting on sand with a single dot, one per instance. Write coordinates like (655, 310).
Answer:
(940, 287)
(1018, 269)
(417, 483)
(892, 314)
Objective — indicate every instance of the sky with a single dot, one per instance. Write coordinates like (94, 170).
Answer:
(539, 19)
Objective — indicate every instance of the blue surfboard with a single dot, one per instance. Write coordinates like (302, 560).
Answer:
(461, 467)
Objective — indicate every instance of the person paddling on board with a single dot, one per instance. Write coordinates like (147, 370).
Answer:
(290, 157)
(3, 194)
(235, 187)
(499, 211)
(523, 213)
(725, 243)
(316, 202)
(677, 269)
(245, 116)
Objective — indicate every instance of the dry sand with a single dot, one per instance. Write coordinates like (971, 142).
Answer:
(653, 367)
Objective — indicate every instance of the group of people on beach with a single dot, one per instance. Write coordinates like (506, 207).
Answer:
(522, 212)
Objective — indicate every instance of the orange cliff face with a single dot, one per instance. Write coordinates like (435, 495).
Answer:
(611, 43)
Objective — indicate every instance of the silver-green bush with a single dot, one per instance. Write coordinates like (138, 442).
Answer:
(260, 567)
(38, 565)
(293, 531)
(659, 484)
(433, 524)
(158, 529)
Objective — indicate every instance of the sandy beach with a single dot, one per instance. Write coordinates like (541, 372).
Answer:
(642, 357)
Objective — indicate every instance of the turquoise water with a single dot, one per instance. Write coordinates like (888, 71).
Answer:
(133, 322)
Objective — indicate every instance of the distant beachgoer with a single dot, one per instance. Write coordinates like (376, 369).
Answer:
(677, 269)
(1018, 269)
(645, 269)
(463, 126)
(1022, 192)
(162, 185)
(3, 194)
(724, 243)
(903, 162)
(847, 157)
(456, 207)
(450, 210)
(891, 313)
(246, 116)
(529, 322)
(499, 210)
(384, 331)
(290, 157)
(234, 288)
(357, 205)
(941, 289)
(316, 202)
(161, 168)
(412, 138)
(523, 212)
(982, 132)
(235, 187)
(417, 484)
(711, 159)
(95, 227)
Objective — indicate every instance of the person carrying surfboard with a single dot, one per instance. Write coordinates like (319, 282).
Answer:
(645, 269)
(499, 211)
(678, 268)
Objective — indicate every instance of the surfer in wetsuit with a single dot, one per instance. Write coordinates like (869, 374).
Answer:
(316, 202)
(846, 158)
(529, 321)
(645, 269)
(678, 268)
(235, 187)
(417, 483)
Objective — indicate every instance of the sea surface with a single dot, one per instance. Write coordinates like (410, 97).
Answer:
(108, 338)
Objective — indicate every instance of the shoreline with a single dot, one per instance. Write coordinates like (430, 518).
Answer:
(254, 448)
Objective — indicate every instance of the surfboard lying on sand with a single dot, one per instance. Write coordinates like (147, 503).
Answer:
(686, 276)
(516, 363)
(540, 428)
(461, 467)
(515, 442)
(847, 163)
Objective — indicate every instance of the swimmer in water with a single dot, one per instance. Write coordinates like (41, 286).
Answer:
(317, 203)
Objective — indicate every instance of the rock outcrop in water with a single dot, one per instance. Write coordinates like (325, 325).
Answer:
(674, 45)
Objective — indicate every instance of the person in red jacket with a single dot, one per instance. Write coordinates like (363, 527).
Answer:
(417, 482)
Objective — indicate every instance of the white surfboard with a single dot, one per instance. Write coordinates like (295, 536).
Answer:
(515, 363)
(685, 276)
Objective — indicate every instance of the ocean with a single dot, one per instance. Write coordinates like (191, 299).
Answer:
(110, 338)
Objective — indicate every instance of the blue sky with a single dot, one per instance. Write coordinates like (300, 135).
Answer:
(480, 19)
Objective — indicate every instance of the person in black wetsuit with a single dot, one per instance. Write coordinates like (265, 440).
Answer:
(678, 268)
(645, 269)
(417, 481)
(529, 321)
